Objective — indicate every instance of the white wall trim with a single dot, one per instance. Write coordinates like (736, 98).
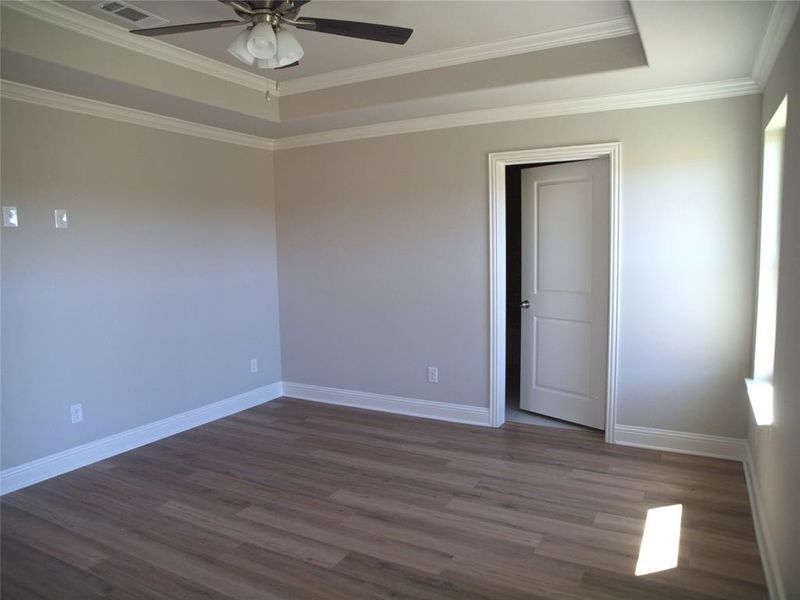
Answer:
(717, 447)
(769, 558)
(682, 442)
(84, 24)
(466, 54)
(33, 472)
(638, 99)
(89, 25)
(656, 97)
(428, 409)
(38, 470)
(498, 161)
(12, 90)
(781, 17)
(777, 29)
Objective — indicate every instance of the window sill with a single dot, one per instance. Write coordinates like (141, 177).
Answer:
(760, 394)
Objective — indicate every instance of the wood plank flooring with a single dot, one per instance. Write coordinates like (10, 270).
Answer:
(309, 501)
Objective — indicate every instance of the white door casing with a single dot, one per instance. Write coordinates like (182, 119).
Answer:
(565, 264)
(497, 163)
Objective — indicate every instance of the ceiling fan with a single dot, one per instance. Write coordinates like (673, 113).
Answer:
(267, 45)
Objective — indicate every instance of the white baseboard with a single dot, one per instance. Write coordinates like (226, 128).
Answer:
(716, 447)
(766, 549)
(38, 470)
(41, 469)
(442, 411)
(681, 441)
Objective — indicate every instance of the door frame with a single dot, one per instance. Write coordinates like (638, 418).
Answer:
(498, 161)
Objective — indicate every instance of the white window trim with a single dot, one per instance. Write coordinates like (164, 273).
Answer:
(760, 388)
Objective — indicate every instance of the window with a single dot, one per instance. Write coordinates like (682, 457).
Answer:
(759, 388)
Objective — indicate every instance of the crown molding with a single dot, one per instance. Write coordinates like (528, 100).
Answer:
(79, 22)
(84, 24)
(580, 34)
(654, 97)
(779, 24)
(782, 15)
(12, 90)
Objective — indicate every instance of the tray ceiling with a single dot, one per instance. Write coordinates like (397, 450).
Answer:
(438, 25)
(464, 63)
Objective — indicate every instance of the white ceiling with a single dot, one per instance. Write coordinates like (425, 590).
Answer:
(673, 45)
(438, 25)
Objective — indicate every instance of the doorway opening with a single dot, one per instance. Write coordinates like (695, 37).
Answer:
(557, 275)
(517, 231)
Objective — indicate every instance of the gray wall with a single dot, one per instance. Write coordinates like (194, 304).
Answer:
(776, 450)
(164, 287)
(383, 256)
(153, 301)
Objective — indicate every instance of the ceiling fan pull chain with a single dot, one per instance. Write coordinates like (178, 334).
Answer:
(270, 94)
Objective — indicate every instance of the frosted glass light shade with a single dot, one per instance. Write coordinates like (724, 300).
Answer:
(238, 48)
(261, 42)
(267, 63)
(289, 49)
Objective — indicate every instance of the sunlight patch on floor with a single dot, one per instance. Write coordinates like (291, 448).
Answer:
(660, 540)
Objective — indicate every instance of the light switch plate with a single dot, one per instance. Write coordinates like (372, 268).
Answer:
(76, 413)
(10, 216)
(62, 220)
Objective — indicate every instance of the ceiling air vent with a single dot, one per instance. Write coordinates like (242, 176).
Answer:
(131, 15)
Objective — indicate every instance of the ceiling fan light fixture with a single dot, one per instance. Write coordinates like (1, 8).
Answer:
(238, 48)
(267, 63)
(265, 44)
(261, 42)
(289, 49)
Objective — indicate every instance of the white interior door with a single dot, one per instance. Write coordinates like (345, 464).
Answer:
(565, 254)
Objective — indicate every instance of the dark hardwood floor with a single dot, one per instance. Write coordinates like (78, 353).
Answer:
(309, 501)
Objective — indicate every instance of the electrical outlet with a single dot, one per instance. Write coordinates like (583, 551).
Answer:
(433, 375)
(10, 216)
(62, 219)
(76, 412)
(254, 365)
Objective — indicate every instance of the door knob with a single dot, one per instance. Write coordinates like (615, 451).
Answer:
(524, 304)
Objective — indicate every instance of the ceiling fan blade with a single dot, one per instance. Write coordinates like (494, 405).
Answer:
(154, 31)
(294, 64)
(355, 29)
